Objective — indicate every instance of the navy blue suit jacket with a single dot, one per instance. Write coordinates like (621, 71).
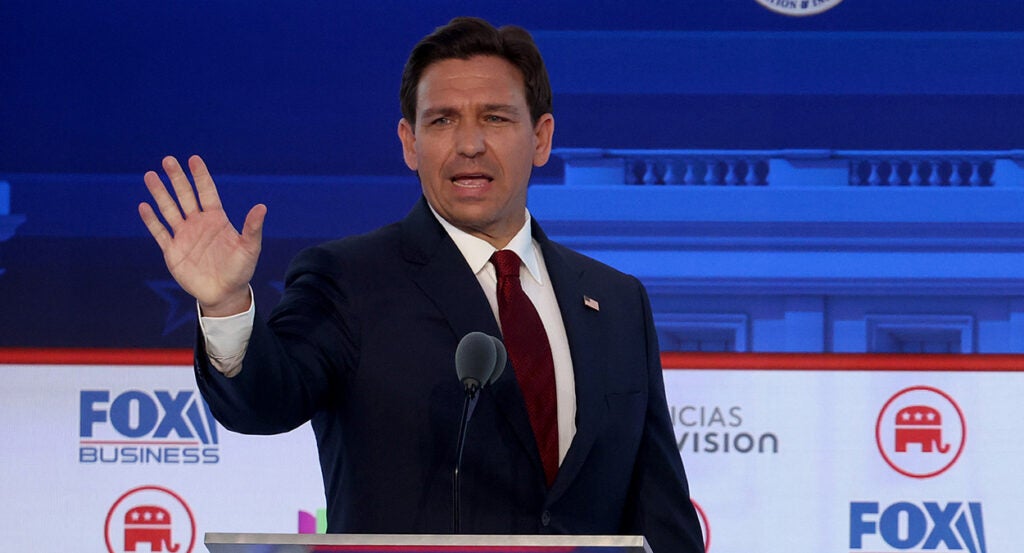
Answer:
(363, 344)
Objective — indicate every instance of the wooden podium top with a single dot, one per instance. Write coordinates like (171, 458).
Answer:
(422, 543)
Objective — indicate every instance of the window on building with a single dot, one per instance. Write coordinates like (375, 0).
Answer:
(709, 332)
(920, 334)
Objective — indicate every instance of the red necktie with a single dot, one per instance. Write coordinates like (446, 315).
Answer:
(530, 353)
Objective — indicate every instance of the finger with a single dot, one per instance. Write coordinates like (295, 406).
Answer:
(208, 196)
(252, 229)
(182, 187)
(155, 227)
(164, 202)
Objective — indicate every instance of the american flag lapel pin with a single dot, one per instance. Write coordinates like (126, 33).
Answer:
(591, 303)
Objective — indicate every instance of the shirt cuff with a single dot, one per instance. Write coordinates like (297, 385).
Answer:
(227, 338)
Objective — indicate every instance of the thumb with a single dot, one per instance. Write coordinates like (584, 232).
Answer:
(252, 229)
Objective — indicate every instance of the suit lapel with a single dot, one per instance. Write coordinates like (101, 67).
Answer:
(445, 278)
(587, 361)
(443, 275)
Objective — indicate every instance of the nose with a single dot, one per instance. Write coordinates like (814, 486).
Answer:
(469, 139)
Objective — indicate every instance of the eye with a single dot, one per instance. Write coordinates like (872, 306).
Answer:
(440, 122)
(495, 119)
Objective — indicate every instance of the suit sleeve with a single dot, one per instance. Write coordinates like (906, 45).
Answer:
(658, 505)
(293, 359)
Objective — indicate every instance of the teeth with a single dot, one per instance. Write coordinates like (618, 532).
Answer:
(471, 182)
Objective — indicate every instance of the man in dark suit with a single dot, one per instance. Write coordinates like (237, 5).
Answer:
(574, 438)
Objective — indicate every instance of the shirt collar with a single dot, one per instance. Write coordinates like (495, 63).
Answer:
(478, 251)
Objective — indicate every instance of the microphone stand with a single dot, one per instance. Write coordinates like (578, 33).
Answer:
(471, 390)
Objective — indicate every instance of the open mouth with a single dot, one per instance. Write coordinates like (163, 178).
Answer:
(471, 180)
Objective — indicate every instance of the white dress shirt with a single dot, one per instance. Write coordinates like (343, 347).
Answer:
(227, 337)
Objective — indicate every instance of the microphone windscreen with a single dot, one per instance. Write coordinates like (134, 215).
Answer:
(475, 357)
(499, 361)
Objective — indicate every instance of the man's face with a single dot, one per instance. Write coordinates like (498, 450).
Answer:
(474, 144)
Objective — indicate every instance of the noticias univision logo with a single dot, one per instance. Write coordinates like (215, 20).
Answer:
(313, 523)
(906, 526)
(136, 427)
(720, 430)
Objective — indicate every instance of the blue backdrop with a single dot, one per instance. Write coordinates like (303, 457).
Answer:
(295, 104)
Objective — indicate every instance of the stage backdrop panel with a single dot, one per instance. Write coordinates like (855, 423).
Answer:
(801, 460)
(784, 454)
(94, 446)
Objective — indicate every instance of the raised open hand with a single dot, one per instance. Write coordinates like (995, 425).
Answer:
(204, 253)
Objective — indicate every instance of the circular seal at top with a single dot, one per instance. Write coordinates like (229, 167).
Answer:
(799, 8)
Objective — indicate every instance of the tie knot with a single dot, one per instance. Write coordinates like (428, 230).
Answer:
(506, 262)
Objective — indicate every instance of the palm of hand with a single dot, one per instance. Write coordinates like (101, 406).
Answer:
(209, 258)
(204, 253)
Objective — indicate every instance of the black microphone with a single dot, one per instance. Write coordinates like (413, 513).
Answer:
(499, 360)
(475, 361)
(479, 360)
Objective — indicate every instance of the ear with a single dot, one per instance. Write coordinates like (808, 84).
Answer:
(542, 133)
(408, 138)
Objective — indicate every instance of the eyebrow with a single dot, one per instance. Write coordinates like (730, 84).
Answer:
(508, 108)
(448, 110)
(434, 112)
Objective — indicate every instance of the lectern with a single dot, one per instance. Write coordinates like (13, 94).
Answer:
(418, 543)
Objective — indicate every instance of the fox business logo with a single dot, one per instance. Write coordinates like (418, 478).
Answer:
(136, 427)
(904, 526)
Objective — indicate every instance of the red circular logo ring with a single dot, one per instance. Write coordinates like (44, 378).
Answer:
(704, 524)
(110, 513)
(878, 431)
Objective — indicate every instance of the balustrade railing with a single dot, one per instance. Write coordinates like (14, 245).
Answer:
(714, 170)
(924, 170)
(860, 168)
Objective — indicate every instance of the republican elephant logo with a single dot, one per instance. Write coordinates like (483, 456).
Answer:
(922, 425)
(148, 524)
(150, 519)
(921, 431)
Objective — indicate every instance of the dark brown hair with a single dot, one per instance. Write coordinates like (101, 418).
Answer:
(466, 37)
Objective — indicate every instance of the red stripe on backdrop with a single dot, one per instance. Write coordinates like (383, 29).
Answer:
(91, 356)
(842, 362)
(671, 360)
